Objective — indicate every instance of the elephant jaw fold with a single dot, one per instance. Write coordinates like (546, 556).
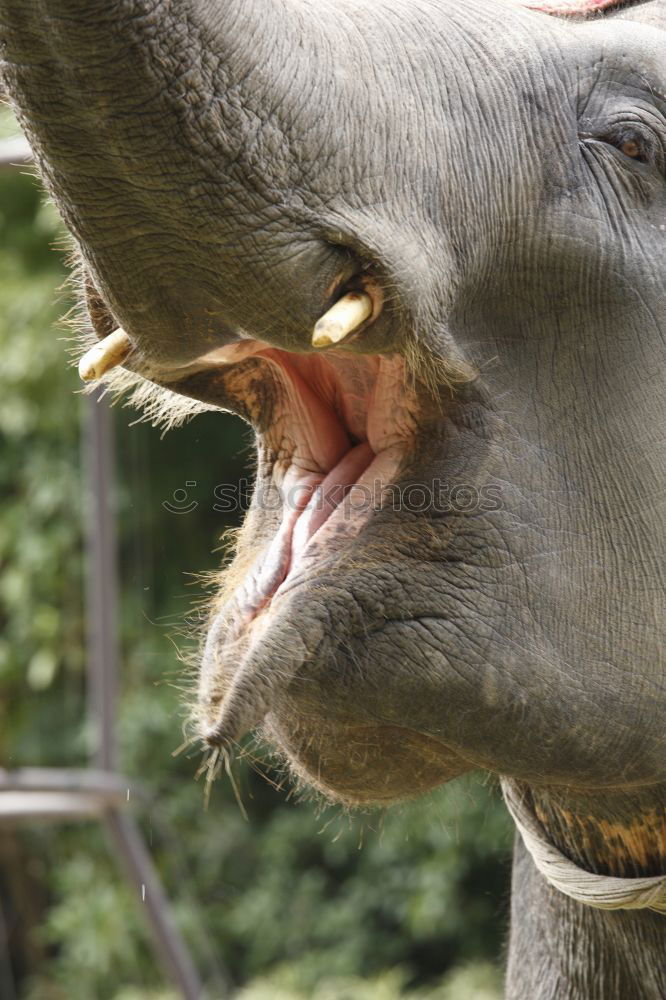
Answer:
(319, 513)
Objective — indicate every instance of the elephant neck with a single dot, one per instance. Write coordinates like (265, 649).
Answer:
(561, 948)
(577, 857)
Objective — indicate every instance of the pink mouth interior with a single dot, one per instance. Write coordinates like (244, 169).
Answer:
(341, 425)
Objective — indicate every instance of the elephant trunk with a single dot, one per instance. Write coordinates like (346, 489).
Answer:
(137, 112)
(94, 80)
(91, 86)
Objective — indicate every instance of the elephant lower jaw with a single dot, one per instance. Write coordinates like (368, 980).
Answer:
(294, 679)
(360, 764)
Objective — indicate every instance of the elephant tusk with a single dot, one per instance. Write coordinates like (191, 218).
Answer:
(343, 318)
(107, 354)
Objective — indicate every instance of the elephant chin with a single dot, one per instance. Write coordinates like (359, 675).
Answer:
(360, 764)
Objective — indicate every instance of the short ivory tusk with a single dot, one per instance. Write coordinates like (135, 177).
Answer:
(343, 318)
(107, 354)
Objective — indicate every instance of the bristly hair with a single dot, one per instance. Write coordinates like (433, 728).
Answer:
(156, 405)
(423, 368)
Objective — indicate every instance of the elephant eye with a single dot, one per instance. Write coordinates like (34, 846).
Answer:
(634, 141)
(633, 149)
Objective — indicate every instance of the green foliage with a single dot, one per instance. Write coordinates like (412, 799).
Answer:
(412, 887)
(92, 907)
(40, 534)
(297, 901)
(479, 981)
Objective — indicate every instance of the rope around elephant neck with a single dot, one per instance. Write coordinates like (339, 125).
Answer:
(604, 892)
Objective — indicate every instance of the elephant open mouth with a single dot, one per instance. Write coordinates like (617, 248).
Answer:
(340, 430)
(336, 429)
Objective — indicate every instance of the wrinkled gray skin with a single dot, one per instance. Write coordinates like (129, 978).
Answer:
(219, 163)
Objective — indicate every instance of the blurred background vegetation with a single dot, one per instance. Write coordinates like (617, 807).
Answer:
(296, 902)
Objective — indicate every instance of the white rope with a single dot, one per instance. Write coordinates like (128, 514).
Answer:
(602, 891)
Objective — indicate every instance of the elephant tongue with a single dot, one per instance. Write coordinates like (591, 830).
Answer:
(328, 495)
(310, 500)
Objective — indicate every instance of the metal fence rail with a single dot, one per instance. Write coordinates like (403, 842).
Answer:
(14, 153)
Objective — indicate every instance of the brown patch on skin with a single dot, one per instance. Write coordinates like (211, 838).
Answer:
(616, 833)
(248, 388)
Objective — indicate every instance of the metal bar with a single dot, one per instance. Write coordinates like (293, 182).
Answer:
(53, 779)
(102, 578)
(58, 806)
(130, 847)
(14, 153)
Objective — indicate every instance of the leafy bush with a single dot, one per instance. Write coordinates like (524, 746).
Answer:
(478, 981)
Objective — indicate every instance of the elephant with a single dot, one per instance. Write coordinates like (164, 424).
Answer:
(418, 245)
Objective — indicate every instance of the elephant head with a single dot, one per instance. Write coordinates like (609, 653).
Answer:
(454, 557)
